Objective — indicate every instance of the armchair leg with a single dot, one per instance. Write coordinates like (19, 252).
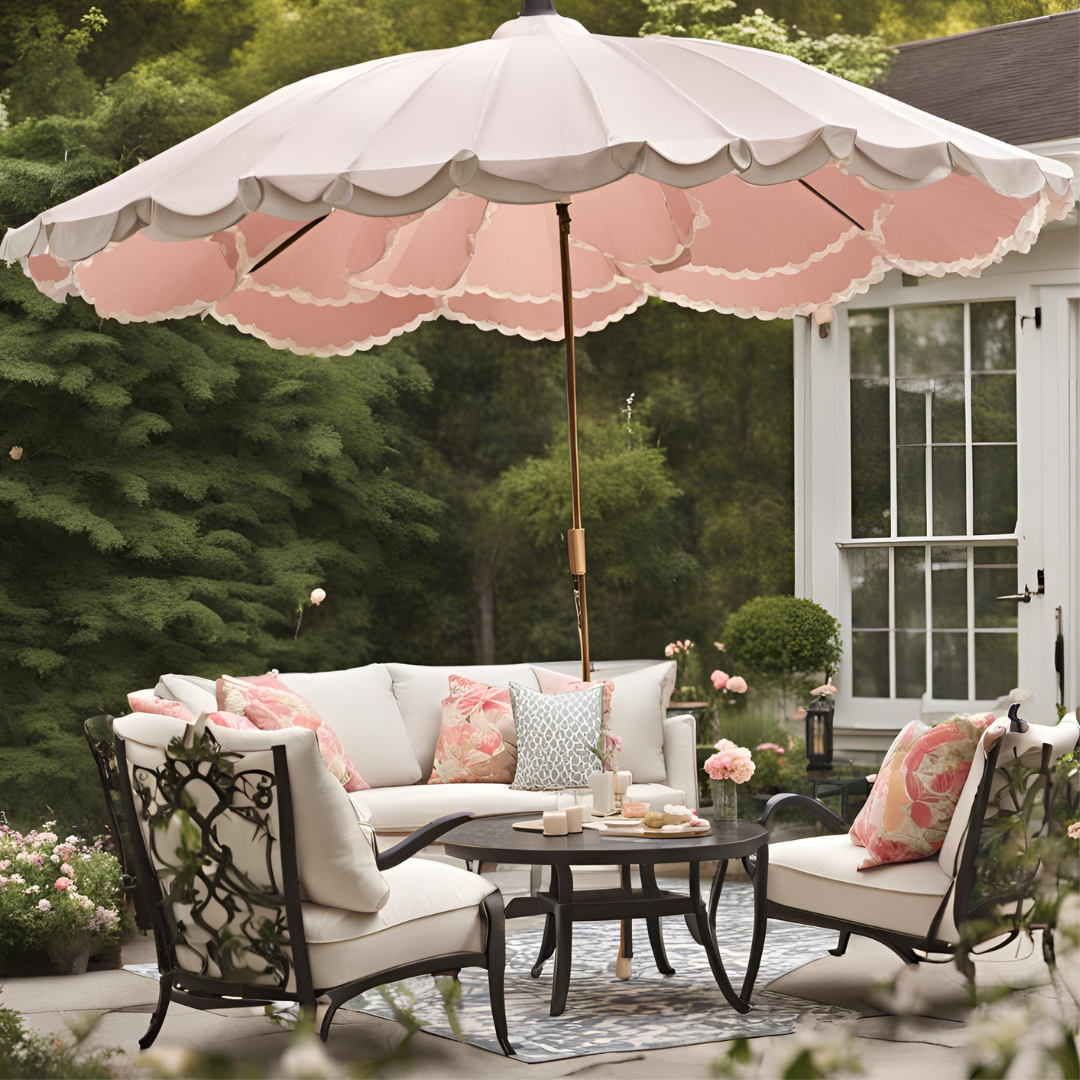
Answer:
(496, 966)
(841, 945)
(164, 997)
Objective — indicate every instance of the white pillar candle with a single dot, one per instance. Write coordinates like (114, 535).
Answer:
(555, 823)
(602, 786)
(575, 815)
(623, 779)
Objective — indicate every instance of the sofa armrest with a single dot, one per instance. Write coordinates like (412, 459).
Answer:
(420, 839)
(680, 755)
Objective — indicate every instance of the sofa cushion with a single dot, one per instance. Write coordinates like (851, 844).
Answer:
(197, 695)
(638, 709)
(821, 874)
(559, 737)
(360, 704)
(398, 810)
(420, 691)
(433, 910)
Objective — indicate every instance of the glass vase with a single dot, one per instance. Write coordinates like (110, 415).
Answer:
(725, 800)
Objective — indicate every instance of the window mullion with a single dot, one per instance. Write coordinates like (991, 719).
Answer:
(971, 621)
(928, 420)
(892, 424)
(892, 622)
(968, 468)
(929, 630)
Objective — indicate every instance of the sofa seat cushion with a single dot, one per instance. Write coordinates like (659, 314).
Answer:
(403, 809)
(821, 874)
(433, 910)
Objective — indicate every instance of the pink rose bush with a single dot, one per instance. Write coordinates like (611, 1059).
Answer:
(1074, 831)
(730, 762)
(774, 747)
(37, 905)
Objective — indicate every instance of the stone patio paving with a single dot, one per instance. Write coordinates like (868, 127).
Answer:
(929, 1045)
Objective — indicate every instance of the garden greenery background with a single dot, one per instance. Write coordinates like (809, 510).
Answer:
(182, 488)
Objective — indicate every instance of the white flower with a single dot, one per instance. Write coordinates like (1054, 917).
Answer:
(54, 858)
(318, 596)
(47, 837)
(16, 452)
(44, 905)
(17, 879)
(307, 1058)
(32, 889)
(86, 857)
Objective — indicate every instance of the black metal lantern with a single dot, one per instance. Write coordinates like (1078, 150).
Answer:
(819, 732)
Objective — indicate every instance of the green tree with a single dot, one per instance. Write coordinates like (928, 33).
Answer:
(177, 492)
(862, 59)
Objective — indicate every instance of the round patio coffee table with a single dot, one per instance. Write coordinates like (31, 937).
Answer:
(493, 839)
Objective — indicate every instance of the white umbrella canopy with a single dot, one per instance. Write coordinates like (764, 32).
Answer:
(344, 210)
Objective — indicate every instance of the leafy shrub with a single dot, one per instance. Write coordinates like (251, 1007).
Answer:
(55, 888)
(40, 1057)
(784, 641)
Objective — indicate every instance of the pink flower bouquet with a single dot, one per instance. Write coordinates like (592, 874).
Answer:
(730, 762)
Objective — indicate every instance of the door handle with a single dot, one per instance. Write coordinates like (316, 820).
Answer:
(1020, 597)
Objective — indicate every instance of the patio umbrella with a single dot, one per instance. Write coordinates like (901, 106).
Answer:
(352, 206)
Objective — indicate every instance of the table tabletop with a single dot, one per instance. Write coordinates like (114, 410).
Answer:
(494, 839)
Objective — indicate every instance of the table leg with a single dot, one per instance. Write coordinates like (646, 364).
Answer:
(627, 945)
(714, 892)
(761, 920)
(564, 891)
(654, 922)
(709, 943)
(547, 946)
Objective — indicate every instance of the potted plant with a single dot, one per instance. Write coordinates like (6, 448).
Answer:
(58, 897)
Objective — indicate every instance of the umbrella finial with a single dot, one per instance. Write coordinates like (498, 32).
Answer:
(537, 7)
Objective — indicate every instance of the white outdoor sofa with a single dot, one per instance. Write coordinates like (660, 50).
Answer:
(388, 716)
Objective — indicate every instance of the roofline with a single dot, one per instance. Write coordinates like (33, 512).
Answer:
(986, 29)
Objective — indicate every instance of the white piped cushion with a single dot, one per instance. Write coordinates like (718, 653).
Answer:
(433, 910)
(360, 706)
(820, 874)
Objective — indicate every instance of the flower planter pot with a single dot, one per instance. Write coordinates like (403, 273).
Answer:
(105, 957)
(69, 955)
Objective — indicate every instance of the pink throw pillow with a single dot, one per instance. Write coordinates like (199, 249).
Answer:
(231, 720)
(477, 739)
(271, 706)
(913, 798)
(160, 706)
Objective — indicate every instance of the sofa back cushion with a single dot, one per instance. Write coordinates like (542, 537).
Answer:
(334, 849)
(420, 692)
(359, 704)
(639, 704)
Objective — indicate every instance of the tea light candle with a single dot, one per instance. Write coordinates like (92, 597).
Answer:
(575, 816)
(555, 823)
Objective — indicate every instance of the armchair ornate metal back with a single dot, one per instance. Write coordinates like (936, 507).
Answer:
(215, 856)
(102, 741)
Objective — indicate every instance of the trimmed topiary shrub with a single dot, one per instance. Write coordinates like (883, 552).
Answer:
(784, 641)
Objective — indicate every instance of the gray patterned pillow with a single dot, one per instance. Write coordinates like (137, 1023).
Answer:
(554, 733)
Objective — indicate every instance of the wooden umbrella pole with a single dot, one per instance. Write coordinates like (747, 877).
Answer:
(576, 535)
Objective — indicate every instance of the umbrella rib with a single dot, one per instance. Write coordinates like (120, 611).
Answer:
(829, 202)
(288, 241)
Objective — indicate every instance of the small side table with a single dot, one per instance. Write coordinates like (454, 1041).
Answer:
(824, 788)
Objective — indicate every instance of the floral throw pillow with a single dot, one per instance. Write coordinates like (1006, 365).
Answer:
(273, 706)
(911, 803)
(160, 706)
(477, 740)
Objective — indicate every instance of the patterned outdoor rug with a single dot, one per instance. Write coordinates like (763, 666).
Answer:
(647, 1012)
(606, 1015)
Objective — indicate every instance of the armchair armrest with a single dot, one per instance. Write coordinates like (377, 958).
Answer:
(680, 755)
(803, 802)
(418, 840)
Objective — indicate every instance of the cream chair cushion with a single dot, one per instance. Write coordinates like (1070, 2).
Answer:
(334, 849)
(433, 910)
(360, 706)
(820, 874)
